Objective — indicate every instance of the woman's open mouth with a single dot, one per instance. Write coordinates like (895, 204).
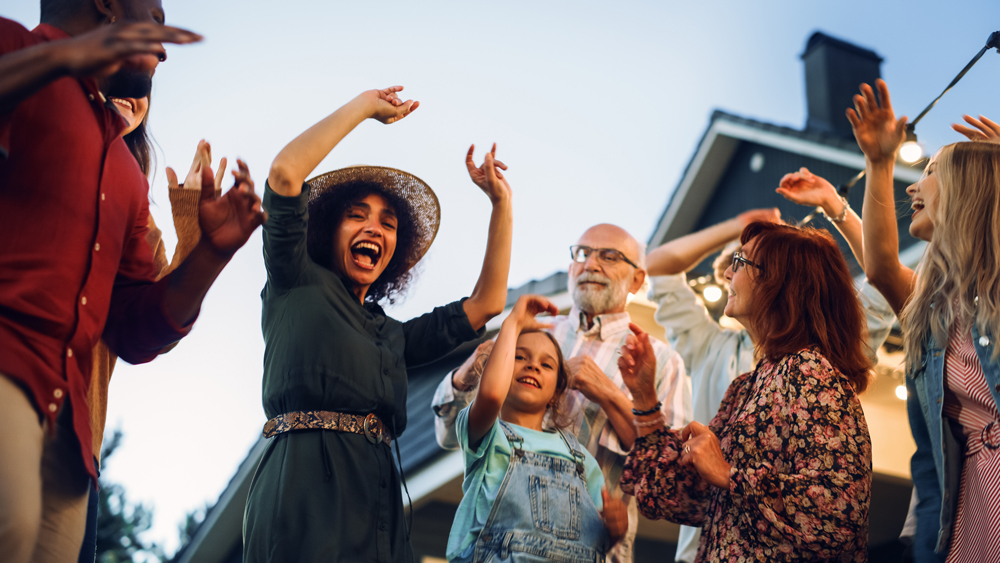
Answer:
(917, 206)
(366, 254)
(124, 103)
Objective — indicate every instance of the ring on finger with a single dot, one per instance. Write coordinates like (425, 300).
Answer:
(687, 449)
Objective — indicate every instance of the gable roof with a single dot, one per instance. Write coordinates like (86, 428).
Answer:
(716, 148)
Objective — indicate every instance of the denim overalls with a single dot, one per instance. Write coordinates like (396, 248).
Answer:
(936, 466)
(543, 511)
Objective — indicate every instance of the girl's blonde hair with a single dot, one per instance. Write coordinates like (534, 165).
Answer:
(958, 277)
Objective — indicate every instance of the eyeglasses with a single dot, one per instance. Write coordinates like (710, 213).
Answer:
(580, 253)
(739, 261)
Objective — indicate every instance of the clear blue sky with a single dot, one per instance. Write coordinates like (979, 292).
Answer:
(595, 106)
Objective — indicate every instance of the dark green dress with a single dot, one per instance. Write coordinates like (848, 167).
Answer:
(323, 495)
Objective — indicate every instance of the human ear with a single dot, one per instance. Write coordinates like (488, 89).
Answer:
(638, 278)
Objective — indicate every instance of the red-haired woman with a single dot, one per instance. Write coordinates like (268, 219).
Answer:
(783, 471)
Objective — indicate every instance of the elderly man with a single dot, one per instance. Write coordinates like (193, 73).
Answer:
(607, 265)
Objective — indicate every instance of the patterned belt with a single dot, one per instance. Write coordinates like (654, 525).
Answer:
(369, 425)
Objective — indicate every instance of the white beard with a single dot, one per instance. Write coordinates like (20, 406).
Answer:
(597, 301)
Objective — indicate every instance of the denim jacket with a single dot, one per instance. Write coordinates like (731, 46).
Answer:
(936, 466)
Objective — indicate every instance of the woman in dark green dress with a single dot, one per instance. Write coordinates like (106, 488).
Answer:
(335, 365)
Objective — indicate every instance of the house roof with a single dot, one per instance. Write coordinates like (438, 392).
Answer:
(715, 149)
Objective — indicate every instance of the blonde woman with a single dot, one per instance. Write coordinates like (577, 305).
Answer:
(950, 312)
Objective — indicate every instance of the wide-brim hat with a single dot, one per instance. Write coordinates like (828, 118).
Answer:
(415, 193)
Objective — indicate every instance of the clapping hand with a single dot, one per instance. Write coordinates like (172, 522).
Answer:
(985, 129)
(488, 176)
(386, 105)
(878, 132)
(202, 157)
(615, 515)
(228, 221)
(701, 449)
(637, 365)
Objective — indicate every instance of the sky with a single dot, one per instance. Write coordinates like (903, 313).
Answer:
(595, 107)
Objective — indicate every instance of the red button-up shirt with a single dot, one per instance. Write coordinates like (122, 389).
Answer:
(74, 260)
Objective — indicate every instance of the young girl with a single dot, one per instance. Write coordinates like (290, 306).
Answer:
(529, 494)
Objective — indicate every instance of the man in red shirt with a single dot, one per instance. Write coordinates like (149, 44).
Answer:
(74, 262)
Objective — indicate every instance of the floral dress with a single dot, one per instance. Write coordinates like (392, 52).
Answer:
(796, 438)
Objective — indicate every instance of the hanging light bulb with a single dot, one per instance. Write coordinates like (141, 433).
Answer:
(911, 151)
(712, 293)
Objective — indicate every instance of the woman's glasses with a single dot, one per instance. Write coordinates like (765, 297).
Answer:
(739, 261)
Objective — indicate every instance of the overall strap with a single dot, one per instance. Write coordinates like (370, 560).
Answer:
(576, 449)
(515, 439)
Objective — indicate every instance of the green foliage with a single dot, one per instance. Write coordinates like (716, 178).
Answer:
(119, 521)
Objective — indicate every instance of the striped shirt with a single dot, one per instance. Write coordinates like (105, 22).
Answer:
(602, 342)
(976, 533)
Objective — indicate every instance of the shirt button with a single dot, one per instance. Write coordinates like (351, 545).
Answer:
(69, 352)
(383, 527)
(58, 393)
(997, 387)
(90, 97)
(52, 407)
(385, 371)
(97, 247)
(83, 300)
(984, 341)
(102, 196)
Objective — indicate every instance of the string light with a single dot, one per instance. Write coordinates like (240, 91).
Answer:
(901, 392)
(911, 151)
(712, 293)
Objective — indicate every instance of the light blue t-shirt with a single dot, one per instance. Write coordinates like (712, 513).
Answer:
(482, 484)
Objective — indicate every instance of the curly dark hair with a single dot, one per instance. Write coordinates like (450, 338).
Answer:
(326, 211)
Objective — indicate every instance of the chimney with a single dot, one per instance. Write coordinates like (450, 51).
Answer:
(834, 71)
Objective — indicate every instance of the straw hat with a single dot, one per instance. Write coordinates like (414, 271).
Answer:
(417, 195)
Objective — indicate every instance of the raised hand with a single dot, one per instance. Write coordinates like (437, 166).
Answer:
(765, 215)
(615, 515)
(985, 129)
(701, 449)
(587, 378)
(104, 50)
(467, 375)
(527, 307)
(637, 365)
(228, 221)
(805, 188)
(488, 176)
(878, 132)
(386, 105)
(202, 157)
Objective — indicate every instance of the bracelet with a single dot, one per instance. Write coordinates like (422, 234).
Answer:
(653, 410)
(654, 422)
(842, 216)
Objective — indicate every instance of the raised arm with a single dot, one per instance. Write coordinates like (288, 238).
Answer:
(98, 53)
(298, 159)
(686, 252)
(985, 129)
(490, 294)
(499, 369)
(805, 188)
(880, 135)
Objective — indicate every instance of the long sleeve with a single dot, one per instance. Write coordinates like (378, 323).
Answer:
(285, 253)
(432, 335)
(807, 480)
(663, 489)
(184, 208)
(926, 483)
(446, 404)
(878, 315)
(713, 356)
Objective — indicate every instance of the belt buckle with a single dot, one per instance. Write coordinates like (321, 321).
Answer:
(373, 430)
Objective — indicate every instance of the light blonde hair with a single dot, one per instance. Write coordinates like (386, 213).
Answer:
(958, 277)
